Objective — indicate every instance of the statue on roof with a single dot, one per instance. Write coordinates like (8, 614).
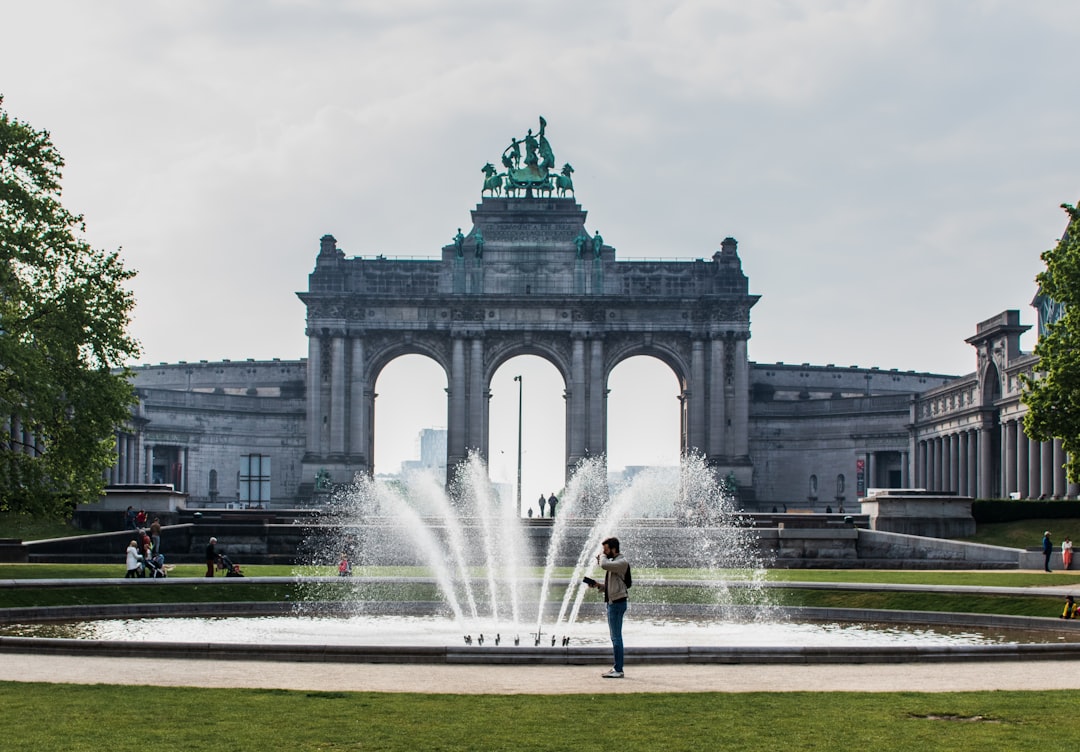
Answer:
(534, 173)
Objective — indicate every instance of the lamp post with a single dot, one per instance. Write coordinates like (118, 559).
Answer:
(521, 388)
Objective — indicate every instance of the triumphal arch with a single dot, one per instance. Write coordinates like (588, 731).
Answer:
(527, 278)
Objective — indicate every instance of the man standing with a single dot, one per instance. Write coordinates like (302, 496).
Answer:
(1048, 549)
(552, 501)
(615, 592)
(542, 501)
(211, 556)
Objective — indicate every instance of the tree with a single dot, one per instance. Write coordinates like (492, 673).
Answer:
(1052, 394)
(64, 313)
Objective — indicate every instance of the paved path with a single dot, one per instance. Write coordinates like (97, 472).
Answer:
(908, 677)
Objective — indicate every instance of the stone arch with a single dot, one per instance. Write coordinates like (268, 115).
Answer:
(989, 385)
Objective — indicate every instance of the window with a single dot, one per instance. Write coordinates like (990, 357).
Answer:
(254, 477)
(813, 487)
(840, 487)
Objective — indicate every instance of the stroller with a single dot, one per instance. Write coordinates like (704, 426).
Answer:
(226, 564)
(155, 567)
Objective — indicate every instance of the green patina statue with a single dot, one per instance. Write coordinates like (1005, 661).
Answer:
(459, 244)
(479, 243)
(533, 176)
(597, 244)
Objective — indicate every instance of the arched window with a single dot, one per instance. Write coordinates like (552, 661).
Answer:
(213, 485)
(840, 486)
(813, 487)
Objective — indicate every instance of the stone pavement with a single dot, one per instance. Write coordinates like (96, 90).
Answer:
(503, 679)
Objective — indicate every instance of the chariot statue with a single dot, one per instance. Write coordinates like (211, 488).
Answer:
(534, 174)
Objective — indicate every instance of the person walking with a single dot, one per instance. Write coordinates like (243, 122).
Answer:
(552, 501)
(542, 502)
(616, 570)
(211, 557)
(1048, 549)
(134, 561)
(1066, 552)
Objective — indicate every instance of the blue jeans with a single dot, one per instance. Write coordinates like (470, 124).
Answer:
(615, 613)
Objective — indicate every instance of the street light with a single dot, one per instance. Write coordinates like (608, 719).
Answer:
(521, 388)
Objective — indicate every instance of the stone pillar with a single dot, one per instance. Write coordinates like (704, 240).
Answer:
(986, 464)
(597, 445)
(1046, 467)
(185, 456)
(974, 466)
(1034, 468)
(148, 467)
(575, 405)
(948, 466)
(695, 411)
(477, 401)
(458, 423)
(871, 472)
(1061, 485)
(717, 424)
(358, 407)
(338, 413)
(938, 471)
(924, 465)
(740, 403)
(905, 470)
(961, 466)
(314, 394)
(1021, 461)
(1009, 442)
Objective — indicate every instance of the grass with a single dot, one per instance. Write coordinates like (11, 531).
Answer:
(1025, 533)
(121, 718)
(251, 589)
(24, 527)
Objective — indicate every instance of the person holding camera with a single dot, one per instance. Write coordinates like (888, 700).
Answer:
(615, 590)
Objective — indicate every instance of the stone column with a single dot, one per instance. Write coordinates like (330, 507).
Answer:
(575, 405)
(1034, 468)
(148, 467)
(1009, 442)
(314, 394)
(358, 407)
(871, 472)
(477, 401)
(185, 455)
(1061, 485)
(905, 471)
(695, 411)
(740, 403)
(1021, 461)
(924, 465)
(974, 466)
(986, 464)
(1046, 464)
(456, 436)
(717, 424)
(961, 466)
(938, 466)
(948, 462)
(338, 413)
(597, 445)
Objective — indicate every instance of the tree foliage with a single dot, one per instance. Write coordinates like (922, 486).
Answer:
(64, 313)
(1052, 395)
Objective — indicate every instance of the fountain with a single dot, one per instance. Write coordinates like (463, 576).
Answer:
(460, 577)
(498, 573)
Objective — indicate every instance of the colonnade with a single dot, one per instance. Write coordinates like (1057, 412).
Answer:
(1033, 469)
(127, 467)
(993, 463)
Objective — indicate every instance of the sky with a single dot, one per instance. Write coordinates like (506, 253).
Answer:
(891, 169)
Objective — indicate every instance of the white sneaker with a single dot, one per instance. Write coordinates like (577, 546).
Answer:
(613, 674)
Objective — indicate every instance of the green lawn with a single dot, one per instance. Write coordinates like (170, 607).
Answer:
(44, 717)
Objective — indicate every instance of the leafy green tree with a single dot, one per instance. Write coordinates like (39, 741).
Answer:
(1052, 395)
(64, 312)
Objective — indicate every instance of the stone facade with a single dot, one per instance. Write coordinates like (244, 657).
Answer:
(256, 433)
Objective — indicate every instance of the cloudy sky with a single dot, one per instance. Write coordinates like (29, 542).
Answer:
(891, 169)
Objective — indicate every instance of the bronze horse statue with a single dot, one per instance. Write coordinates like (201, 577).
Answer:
(563, 181)
(493, 182)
